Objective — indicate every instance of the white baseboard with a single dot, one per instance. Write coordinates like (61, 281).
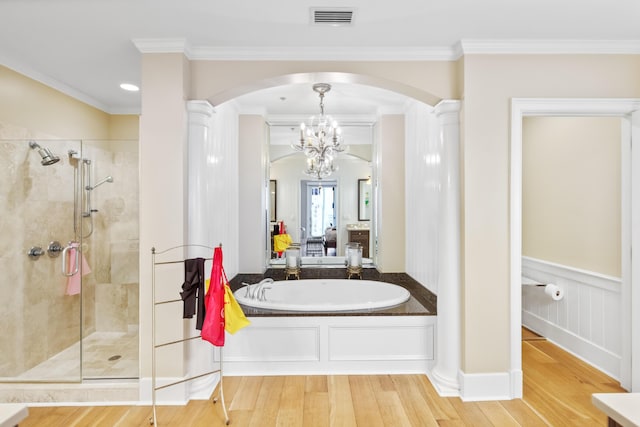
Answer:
(178, 394)
(599, 357)
(488, 386)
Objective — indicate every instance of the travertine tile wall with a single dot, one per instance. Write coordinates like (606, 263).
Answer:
(36, 207)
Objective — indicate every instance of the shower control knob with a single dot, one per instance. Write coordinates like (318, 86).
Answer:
(54, 249)
(35, 252)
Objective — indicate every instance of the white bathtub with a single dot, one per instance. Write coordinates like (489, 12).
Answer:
(323, 295)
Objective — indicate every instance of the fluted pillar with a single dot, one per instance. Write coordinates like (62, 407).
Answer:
(199, 354)
(445, 373)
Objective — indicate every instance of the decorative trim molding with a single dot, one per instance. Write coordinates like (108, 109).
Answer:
(177, 45)
(596, 280)
(27, 71)
(396, 53)
(586, 322)
(178, 394)
(333, 345)
(575, 106)
(524, 107)
(482, 387)
(547, 47)
(597, 356)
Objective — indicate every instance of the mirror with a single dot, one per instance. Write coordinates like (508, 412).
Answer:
(287, 168)
(364, 199)
(273, 200)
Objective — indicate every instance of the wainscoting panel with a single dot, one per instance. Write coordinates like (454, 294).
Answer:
(275, 344)
(331, 345)
(382, 343)
(586, 321)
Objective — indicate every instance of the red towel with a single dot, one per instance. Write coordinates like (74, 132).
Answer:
(213, 326)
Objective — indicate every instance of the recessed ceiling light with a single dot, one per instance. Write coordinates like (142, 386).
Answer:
(129, 87)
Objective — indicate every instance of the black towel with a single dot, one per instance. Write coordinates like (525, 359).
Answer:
(193, 290)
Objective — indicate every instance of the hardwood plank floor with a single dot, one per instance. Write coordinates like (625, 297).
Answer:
(557, 392)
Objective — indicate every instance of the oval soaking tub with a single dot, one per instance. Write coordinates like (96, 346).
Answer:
(322, 295)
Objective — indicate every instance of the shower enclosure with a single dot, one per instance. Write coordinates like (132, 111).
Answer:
(69, 260)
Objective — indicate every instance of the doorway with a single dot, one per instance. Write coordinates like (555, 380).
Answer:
(630, 196)
(320, 212)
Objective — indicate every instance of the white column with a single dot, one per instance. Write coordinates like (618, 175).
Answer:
(199, 354)
(199, 116)
(445, 373)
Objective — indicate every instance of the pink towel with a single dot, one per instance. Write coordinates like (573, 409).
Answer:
(74, 281)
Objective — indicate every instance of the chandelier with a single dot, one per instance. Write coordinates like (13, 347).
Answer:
(320, 139)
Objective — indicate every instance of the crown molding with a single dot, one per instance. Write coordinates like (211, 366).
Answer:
(177, 45)
(29, 72)
(289, 53)
(389, 53)
(549, 47)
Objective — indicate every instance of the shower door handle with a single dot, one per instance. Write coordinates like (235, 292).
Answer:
(65, 264)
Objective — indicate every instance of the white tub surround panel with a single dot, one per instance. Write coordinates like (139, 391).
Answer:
(422, 181)
(332, 345)
(587, 321)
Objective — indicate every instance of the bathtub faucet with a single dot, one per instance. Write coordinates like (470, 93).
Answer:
(257, 291)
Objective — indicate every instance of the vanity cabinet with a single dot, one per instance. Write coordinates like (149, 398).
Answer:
(362, 237)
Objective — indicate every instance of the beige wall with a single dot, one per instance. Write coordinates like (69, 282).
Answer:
(252, 156)
(31, 105)
(47, 113)
(490, 82)
(124, 127)
(428, 82)
(162, 184)
(571, 192)
(391, 206)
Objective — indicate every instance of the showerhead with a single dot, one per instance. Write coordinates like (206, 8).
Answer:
(107, 179)
(48, 158)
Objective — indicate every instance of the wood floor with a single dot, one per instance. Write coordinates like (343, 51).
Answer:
(557, 392)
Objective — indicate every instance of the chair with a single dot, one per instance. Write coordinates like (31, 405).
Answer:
(315, 246)
(330, 239)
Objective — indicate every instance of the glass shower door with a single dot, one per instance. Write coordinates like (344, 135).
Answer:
(109, 228)
(40, 309)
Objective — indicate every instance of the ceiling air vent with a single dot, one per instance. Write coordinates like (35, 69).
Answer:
(334, 16)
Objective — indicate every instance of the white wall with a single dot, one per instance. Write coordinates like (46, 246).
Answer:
(422, 180)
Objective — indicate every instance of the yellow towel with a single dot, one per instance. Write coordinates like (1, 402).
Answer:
(234, 318)
(281, 242)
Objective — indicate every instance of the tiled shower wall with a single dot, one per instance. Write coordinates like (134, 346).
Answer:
(36, 207)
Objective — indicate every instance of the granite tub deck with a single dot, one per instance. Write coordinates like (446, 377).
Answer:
(421, 303)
